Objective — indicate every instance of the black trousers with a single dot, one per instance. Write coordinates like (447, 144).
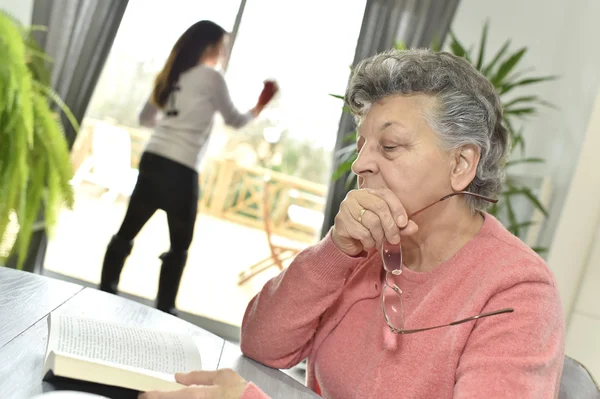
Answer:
(167, 185)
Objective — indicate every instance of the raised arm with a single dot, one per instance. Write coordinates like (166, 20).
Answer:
(281, 320)
(225, 106)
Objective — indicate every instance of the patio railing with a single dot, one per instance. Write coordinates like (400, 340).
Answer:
(234, 192)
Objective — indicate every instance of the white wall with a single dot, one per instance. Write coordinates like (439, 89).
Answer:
(20, 9)
(561, 42)
(577, 247)
(584, 328)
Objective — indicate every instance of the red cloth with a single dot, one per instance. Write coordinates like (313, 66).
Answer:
(268, 91)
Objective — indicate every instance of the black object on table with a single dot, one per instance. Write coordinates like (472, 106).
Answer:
(26, 299)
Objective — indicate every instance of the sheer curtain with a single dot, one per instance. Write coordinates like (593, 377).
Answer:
(79, 36)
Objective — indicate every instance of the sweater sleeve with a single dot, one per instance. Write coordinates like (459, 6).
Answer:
(224, 104)
(518, 354)
(254, 392)
(281, 320)
(148, 114)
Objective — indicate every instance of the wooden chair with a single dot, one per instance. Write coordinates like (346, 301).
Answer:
(577, 382)
(279, 253)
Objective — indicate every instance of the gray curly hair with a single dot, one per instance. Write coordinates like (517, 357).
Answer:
(468, 108)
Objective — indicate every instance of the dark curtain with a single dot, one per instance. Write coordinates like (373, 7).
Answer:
(78, 38)
(415, 22)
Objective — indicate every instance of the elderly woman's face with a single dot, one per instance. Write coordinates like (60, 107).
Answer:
(398, 150)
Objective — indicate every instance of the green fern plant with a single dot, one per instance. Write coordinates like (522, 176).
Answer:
(35, 166)
(502, 71)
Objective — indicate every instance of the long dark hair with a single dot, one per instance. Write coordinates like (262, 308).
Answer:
(185, 55)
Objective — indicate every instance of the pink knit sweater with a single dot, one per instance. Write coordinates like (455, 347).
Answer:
(326, 306)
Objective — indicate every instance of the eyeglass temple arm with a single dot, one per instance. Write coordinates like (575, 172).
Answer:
(454, 323)
(483, 197)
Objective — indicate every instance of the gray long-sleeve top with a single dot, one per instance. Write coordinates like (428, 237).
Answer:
(183, 137)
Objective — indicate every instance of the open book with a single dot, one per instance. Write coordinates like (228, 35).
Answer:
(118, 355)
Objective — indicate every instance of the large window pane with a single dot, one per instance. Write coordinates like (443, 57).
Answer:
(147, 33)
(308, 48)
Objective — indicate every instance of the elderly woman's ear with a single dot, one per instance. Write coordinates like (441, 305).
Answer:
(464, 166)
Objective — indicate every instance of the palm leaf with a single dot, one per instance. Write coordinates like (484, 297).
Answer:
(512, 77)
(350, 138)
(523, 225)
(400, 45)
(482, 44)
(517, 139)
(524, 160)
(506, 87)
(487, 70)
(534, 200)
(513, 225)
(457, 48)
(507, 66)
(522, 99)
(540, 250)
(436, 44)
(342, 169)
(520, 111)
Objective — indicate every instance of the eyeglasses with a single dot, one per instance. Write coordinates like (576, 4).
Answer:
(392, 304)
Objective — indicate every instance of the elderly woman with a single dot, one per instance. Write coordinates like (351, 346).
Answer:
(413, 248)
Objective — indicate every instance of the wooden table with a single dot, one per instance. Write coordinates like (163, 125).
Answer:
(26, 300)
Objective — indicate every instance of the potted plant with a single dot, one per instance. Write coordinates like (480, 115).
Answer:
(503, 73)
(35, 168)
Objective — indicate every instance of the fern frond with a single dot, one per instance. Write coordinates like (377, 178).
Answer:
(48, 91)
(35, 165)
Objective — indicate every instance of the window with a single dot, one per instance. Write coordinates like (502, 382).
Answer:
(147, 33)
(308, 48)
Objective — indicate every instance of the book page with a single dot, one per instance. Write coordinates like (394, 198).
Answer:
(120, 344)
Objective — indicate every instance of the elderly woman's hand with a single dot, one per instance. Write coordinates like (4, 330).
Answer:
(219, 384)
(367, 217)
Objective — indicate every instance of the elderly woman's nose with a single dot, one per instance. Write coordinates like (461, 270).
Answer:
(365, 162)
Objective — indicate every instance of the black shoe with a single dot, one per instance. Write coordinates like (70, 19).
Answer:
(171, 310)
(114, 259)
(173, 263)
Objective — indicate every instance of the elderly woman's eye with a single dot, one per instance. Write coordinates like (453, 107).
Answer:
(389, 147)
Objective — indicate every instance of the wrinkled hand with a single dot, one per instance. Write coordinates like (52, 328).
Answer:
(219, 384)
(367, 217)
